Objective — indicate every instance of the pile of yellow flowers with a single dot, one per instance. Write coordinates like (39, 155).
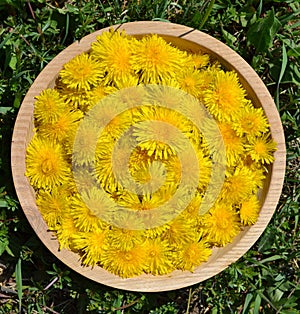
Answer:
(111, 148)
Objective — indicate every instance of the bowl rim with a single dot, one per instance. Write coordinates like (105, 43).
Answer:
(221, 258)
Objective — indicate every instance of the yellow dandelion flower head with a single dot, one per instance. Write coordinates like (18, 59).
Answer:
(99, 204)
(119, 124)
(180, 231)
(158, 261)
(126, 81)
(226, 95)
(233, 143)
(81, 72)
(221, 224)
(159, 112)
(159, 131)
(45, 164)
(83, 146)
(64, 127)
(112, 163)
(249, 210)
(124, 263)
(114, 51)
(261, 149)
(66, 231)
(258, 175)
(191, 81)
(205, 168)
(250, 121)
(111, 116)
(52, 204)
(91, 245)
(74, 98)
(173, 169)
(150, 177)
(49, 106)
(258, 171)
(130, 237)
(192, 255)
(96, 94)
(238, 185)
(200, 60)
(139, 157)
(188, 107)
(156, 59)
(192, 210)
(83, 179)
(85, 219)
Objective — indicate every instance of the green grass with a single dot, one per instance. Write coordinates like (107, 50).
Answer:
(267, 34)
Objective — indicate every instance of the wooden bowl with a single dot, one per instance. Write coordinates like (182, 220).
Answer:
(185, 38)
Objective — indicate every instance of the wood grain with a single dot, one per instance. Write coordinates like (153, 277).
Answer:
(185, 38)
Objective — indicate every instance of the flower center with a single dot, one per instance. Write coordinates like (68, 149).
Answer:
(152, 253)
(223, 224)
(47, 166)
(83, 72)
(128, 256)
(260, 148)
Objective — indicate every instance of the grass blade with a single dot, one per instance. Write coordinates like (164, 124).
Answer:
(282, 71)
(18, 272)
(248, 299)
(207, 13)
(257, 303)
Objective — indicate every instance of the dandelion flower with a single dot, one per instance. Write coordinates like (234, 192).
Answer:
(139, 157)
(156, 60)
(66, 231)
(63, 127)
(180, 231)
(74, 98)
(114, 51)
(52, 204)
(81, 72)
(96, 94)
(191, 81)
(129, 237)
(83, 145)
(85, 220)
(221, 224)
(200, 60)
(226, 96)
(233, 143)
(250, 121)
(261, 149)
(167, 93)
(49, 106)
(150, 177)
(192, 255)
(192, 210)
(127, 82)
(160, 134)
(238, 185)
(249, 210)
(91, 244)
(124, 263)
(158, 260)
(45, 164)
